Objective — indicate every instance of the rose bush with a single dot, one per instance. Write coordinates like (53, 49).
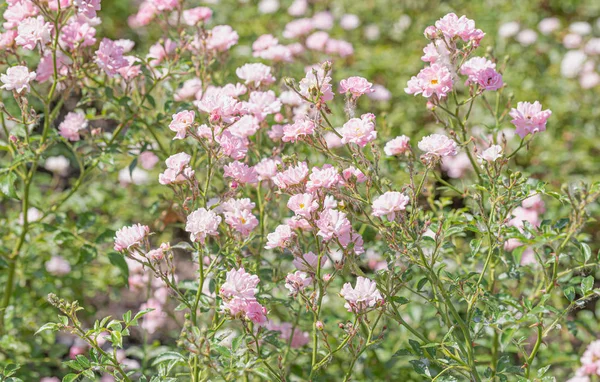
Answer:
(217, 198)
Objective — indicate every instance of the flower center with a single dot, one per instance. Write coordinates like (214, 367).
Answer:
(434, 81)
(301, 205)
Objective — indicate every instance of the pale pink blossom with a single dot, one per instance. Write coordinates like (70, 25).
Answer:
(257, 74)
(88, 8)
(74, 122)
(297, 282)
(45, 69)
(438, 146)
(299, 338)
(308, 262)
(397, 146)
(32, 31)
(221, 38)
(202, 223)
(452, 27)
(298, 28)
(109, 57)
(267, 168)
(435, 51)
(353, 174)
(280, 238)
(318, 80)
(220, 107)
(356, 86)
(58, 266)
(361, 297)
(245, 127)
(340, 47)
(130, 236)
(317, 41)
(300, 128)
(154, 319)
(349, 21)
(195, 15)
(590, 360)
(262, 104)
(239, 284)
(435, 80)
(303, 204)
(380, 93)
(323, 20)
(389, 204)
(191, 89)
(17, 78)
(263, 43)
(323, 178)
(17, 11)
(238, 215)
(78, 34)
(535, 203)
(7, 39)
(333, 223)
(181, 122)
(491, 154)
(240, 172)
(522, 215)
(529, 118)
(457, 166)
(159, 52)
(232, 146)
(359, 130)
(489, 79)
(292, 176)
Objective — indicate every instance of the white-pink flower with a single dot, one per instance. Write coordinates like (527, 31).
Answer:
(221, 38)
(240, 172)
(128, 237)
(356, 86)
(303, 204)
(195, 15)
(291, 176)
(32, 31)
(297, 282)
(181, 122)
(390, 203)
(325, 177)
(239, 283)
(202, 223)
(280, 238)
(17, 78)
(359, 130)
(308, 262)
(397, 146)
(74, 122)
(365, 295)
(491, 154)
(432, 80)
(529, 118)
(257, 74)
(438, 146)
(109, 57)
(300, 128)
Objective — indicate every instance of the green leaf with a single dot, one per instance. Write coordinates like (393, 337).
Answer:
(87, 253)
(569, 293)
(48, 326)
(7, 185)
(118, 261)
(70, 377)
(168, 356)
(83, 361)
(586, 250)
(587, 284)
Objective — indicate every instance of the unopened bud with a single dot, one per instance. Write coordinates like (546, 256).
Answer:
(319, 325)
